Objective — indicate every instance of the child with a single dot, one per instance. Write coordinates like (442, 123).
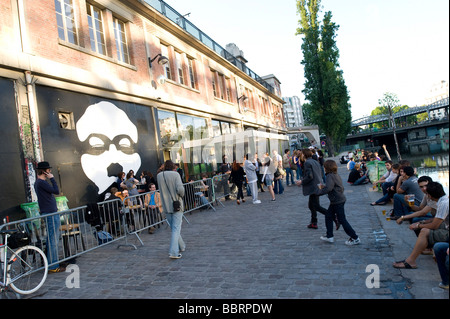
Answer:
(335, 191)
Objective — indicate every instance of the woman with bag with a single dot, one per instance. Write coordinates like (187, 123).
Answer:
(268, 177)
(172, 193)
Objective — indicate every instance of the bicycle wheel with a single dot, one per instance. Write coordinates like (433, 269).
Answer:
(27, 270)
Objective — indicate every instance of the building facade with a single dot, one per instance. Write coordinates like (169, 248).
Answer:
(438, 91)
(293, 114)
(99, 87)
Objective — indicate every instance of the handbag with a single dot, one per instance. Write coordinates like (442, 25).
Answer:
(176, 203)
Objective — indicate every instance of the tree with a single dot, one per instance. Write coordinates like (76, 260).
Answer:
(325, 90)
(389, 102)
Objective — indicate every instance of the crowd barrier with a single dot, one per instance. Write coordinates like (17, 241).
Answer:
(68, 233)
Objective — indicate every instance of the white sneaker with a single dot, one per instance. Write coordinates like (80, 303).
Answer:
(257, 202)
(325, 238)
(352, 241)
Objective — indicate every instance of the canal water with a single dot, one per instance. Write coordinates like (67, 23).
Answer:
(435, 166)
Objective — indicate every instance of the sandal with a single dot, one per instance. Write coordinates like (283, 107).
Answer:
(403, 265)
(377, 204)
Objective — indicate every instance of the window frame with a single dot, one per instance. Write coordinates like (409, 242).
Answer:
(95, 41)
(192, 73)
(122, 54)
(167, 68)
(62, 5)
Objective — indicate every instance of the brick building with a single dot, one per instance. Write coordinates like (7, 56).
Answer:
(84, 86)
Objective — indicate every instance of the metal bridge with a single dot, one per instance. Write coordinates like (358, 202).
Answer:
(408, 112)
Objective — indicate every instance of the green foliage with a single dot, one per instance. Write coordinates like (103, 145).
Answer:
(325, 90)
(391, 100)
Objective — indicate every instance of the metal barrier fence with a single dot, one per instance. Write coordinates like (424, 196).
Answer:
(67, 234)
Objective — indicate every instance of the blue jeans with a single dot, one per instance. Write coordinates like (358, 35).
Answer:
(289, 172)
(400, 207)
(299, 172)
(360, 181)
(278, 186)
(385, 187)
(176, 242)
(440, 251)
(338, 211)
(53, 225)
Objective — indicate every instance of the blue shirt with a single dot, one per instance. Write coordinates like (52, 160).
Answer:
(44, 192)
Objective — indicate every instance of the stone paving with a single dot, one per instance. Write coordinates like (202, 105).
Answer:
(259, 252)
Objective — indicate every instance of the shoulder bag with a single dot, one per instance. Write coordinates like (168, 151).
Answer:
(176, 203)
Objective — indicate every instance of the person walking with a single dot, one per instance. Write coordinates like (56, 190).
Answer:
(252, 179)
(268, 176)
(237, 177)
(287, 160)
(47, 205)
(335, 190)
(312, 176)
(172, 190)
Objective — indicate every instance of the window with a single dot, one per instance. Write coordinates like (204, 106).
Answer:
(96, 29)
(192, 75)
(221, 86)
(228, 89)
(65, 19)
(121, 41)
(249, 101)
(264, 105)
(213, 82)
(179, 66)
(167, 70)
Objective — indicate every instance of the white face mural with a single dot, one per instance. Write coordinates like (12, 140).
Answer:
(111, 136)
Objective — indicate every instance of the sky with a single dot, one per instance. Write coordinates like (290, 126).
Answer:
(398, 46)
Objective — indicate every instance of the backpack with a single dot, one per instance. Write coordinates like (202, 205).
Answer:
(104, 237)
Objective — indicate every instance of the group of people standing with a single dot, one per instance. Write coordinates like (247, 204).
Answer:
(316, 177)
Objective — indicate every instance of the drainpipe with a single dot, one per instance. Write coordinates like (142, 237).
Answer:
(35, 133)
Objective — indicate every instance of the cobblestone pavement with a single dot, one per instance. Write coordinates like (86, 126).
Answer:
(259, 251)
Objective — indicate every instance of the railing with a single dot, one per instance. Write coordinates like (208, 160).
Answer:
(408, 112)
(186, 25)
(70, 233)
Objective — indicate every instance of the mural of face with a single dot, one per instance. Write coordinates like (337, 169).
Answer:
(110, 136)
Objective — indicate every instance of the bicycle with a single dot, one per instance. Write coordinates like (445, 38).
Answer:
(26, 269)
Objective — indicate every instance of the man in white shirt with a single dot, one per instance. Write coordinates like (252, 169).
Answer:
(431, 230)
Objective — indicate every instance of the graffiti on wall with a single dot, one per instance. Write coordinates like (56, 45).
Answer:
(110, 138)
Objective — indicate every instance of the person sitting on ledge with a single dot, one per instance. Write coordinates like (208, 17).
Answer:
(432, 230)
(426, 209)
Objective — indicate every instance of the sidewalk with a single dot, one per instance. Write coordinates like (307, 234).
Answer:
(258, 251)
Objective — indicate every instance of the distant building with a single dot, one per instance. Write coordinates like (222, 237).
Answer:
(293, 114)
(438, 92)
(293, 111)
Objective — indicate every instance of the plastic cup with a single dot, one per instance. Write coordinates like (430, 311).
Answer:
(411, 199)
(384, 212)
(388, 218)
